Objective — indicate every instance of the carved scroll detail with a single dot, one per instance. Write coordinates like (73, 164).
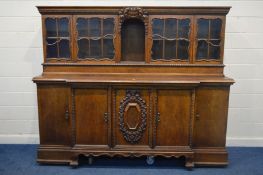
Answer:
(133, 12)
(133, 136)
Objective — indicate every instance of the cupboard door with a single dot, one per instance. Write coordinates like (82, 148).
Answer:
(54, 121)
(211, 117)
(131, 117)
(209, 39)
(171, 38)
(173, 117)
(91, 116)
(57, 38)
(95, 37)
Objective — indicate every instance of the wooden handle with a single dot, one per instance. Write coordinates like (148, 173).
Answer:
(67, 114)
(197, 117)
(157, 119)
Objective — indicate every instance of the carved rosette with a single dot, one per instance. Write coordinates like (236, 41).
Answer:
(135, 134)
(133, 12)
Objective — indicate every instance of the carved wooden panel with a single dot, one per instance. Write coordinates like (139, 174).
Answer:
(131, 116)
(133, 12)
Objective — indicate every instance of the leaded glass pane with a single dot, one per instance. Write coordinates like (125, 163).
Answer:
(203, 28)
(64, 49)
(183, 47)
(51, 27)
(82, 27)
(63, 30)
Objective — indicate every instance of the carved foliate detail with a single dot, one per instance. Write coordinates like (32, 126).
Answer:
(134, 135)
(133, 12)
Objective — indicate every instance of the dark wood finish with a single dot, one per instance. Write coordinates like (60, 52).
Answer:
(44, 34)
(124, 103)
(132, 105)
(190, 34)
(132, 40)
(88, 104)
(54, 114)
(222, 37)
(179, 104)
(75, 45)
(209, 122)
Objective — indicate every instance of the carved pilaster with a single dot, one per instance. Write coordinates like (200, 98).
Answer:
(155, 118)
(73, 117)
(192, 117)
(150, 119)
(114, 119)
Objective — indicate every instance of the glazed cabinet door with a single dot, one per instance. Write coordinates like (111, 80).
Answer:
(173, 117)
(92, 116)
(57, 38)
(54, 114)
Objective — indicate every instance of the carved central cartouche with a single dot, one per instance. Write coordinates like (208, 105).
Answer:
(132, 132)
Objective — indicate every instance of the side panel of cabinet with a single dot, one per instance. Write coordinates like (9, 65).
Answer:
(54, 118)
(91, 116)
(173, 117)
(211, 117)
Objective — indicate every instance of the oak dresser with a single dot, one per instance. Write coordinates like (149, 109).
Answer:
(133, 81)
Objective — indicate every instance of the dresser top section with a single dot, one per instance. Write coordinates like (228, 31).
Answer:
(160, 10)
(134, 39)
